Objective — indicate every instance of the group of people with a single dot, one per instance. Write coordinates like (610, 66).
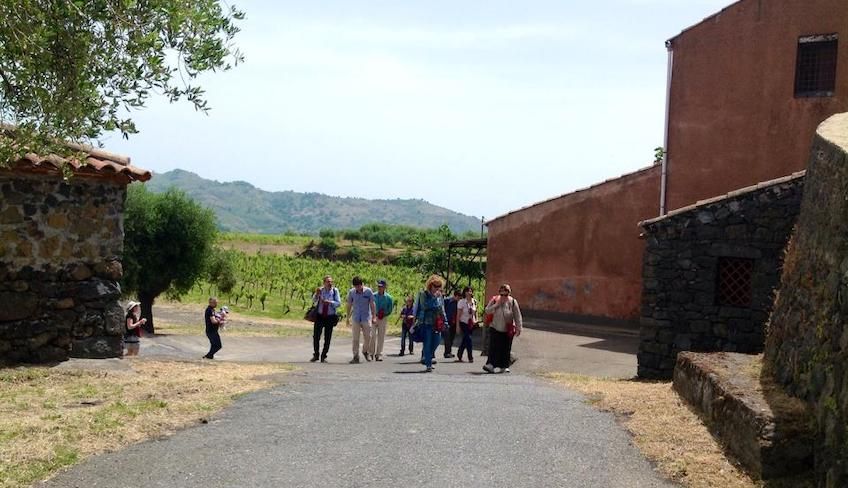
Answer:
(428, 318)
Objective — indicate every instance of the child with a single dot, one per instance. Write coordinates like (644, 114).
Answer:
(222, 315)
(408, 317)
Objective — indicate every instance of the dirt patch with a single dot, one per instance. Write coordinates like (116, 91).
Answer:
(664, 429)
(51, 418)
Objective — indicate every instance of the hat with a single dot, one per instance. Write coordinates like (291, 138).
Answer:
(225, 309)
(131, 305)
(381, 283)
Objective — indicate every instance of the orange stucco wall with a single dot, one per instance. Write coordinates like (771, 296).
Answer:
(734, 120)
(577, 254)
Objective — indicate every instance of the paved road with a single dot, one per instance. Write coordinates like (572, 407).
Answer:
(387, 429)
(388, 424)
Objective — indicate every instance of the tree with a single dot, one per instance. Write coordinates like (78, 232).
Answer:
(71, 69)
(168, 240)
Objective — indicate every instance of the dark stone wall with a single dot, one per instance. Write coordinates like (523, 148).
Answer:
(807, 344)
(60, 248)
(681, 308)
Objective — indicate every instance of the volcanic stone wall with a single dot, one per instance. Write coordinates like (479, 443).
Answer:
(807, 344)
(710, 271)
(60, 245)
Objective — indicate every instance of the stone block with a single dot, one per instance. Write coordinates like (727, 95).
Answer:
(766, 430)
(97, 348)
(17, 306)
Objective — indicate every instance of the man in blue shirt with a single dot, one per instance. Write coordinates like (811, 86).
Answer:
(362, 313)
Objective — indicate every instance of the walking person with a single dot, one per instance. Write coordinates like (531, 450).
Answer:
(384, 305)
(450, 331)
(212, 324)
(407, 319)
(430, 315)
(467, 312)
(506, 324)
(327, 300)
(132, 331)
(361, 313)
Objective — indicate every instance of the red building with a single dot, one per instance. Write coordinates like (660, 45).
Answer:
(747, 88)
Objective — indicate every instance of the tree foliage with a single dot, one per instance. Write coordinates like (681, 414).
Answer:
(168, 241)
(71, 69)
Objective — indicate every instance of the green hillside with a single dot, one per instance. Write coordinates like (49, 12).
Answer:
(241, 207)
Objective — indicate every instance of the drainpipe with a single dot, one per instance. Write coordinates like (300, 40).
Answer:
(664, 174)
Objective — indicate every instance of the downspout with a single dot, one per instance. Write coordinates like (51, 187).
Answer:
(664, 173)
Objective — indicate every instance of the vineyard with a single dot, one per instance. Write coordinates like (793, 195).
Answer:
(281, 286)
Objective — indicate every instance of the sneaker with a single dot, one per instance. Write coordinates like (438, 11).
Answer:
(499, 370)
(470, 360)
(324, 359)
(314, 358)
(489, 368)
(458, 360)
(448, 356)
(430, 369)
(355, 360)
(379, 357)
(401, 354)
(506, 370)
(367, 358)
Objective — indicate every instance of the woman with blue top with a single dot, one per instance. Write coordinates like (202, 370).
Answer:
(430, 316)
(327, 300)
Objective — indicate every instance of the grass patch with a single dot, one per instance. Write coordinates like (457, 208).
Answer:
(51, 418)
(664, 429)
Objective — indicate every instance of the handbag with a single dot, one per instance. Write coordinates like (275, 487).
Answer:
(511, 329)
(439, 326)
(311, 314)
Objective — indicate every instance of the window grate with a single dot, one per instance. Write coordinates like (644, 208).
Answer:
(734, 286)
(815, 70)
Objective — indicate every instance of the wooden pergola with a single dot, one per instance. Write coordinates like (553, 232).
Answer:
(476, 248)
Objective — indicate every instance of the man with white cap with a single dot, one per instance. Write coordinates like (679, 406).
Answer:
(212, 324)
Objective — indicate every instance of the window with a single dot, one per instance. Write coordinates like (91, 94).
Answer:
(815, 68)
(734, 282)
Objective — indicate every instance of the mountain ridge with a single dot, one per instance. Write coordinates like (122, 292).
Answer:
(242, 207)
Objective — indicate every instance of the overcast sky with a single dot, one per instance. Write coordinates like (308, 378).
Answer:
(479, 106)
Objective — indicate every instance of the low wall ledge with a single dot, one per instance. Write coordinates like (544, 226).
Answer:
(835, 130)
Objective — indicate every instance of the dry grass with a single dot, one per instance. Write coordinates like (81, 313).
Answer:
(52, 418)
(666, 431)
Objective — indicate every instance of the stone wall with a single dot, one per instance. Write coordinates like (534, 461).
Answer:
(807, 344)
(60, 248)
(692, 258)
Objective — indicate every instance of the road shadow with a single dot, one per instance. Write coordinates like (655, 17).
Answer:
(615, 344)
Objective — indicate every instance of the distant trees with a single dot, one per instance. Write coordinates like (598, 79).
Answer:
(168, 245)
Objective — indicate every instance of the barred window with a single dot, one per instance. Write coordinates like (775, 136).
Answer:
(815, 66)
(734, 286)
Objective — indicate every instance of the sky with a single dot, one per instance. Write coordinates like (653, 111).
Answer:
(480, 106)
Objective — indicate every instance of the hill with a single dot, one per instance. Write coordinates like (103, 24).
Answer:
(241, 207)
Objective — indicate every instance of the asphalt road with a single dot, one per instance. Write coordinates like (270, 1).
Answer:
(387, 429)
(388, 424)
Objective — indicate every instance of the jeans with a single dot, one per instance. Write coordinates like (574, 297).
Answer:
(465, 344)
(325, 322)
(449, 335)
(431, 343)
(214, 342)
(404, 335)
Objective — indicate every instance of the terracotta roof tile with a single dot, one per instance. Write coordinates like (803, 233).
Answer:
(98, 164)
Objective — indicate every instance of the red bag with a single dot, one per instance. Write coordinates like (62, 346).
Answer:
(439, 326)
(489, 317)
(381, 314)
(511, 329)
